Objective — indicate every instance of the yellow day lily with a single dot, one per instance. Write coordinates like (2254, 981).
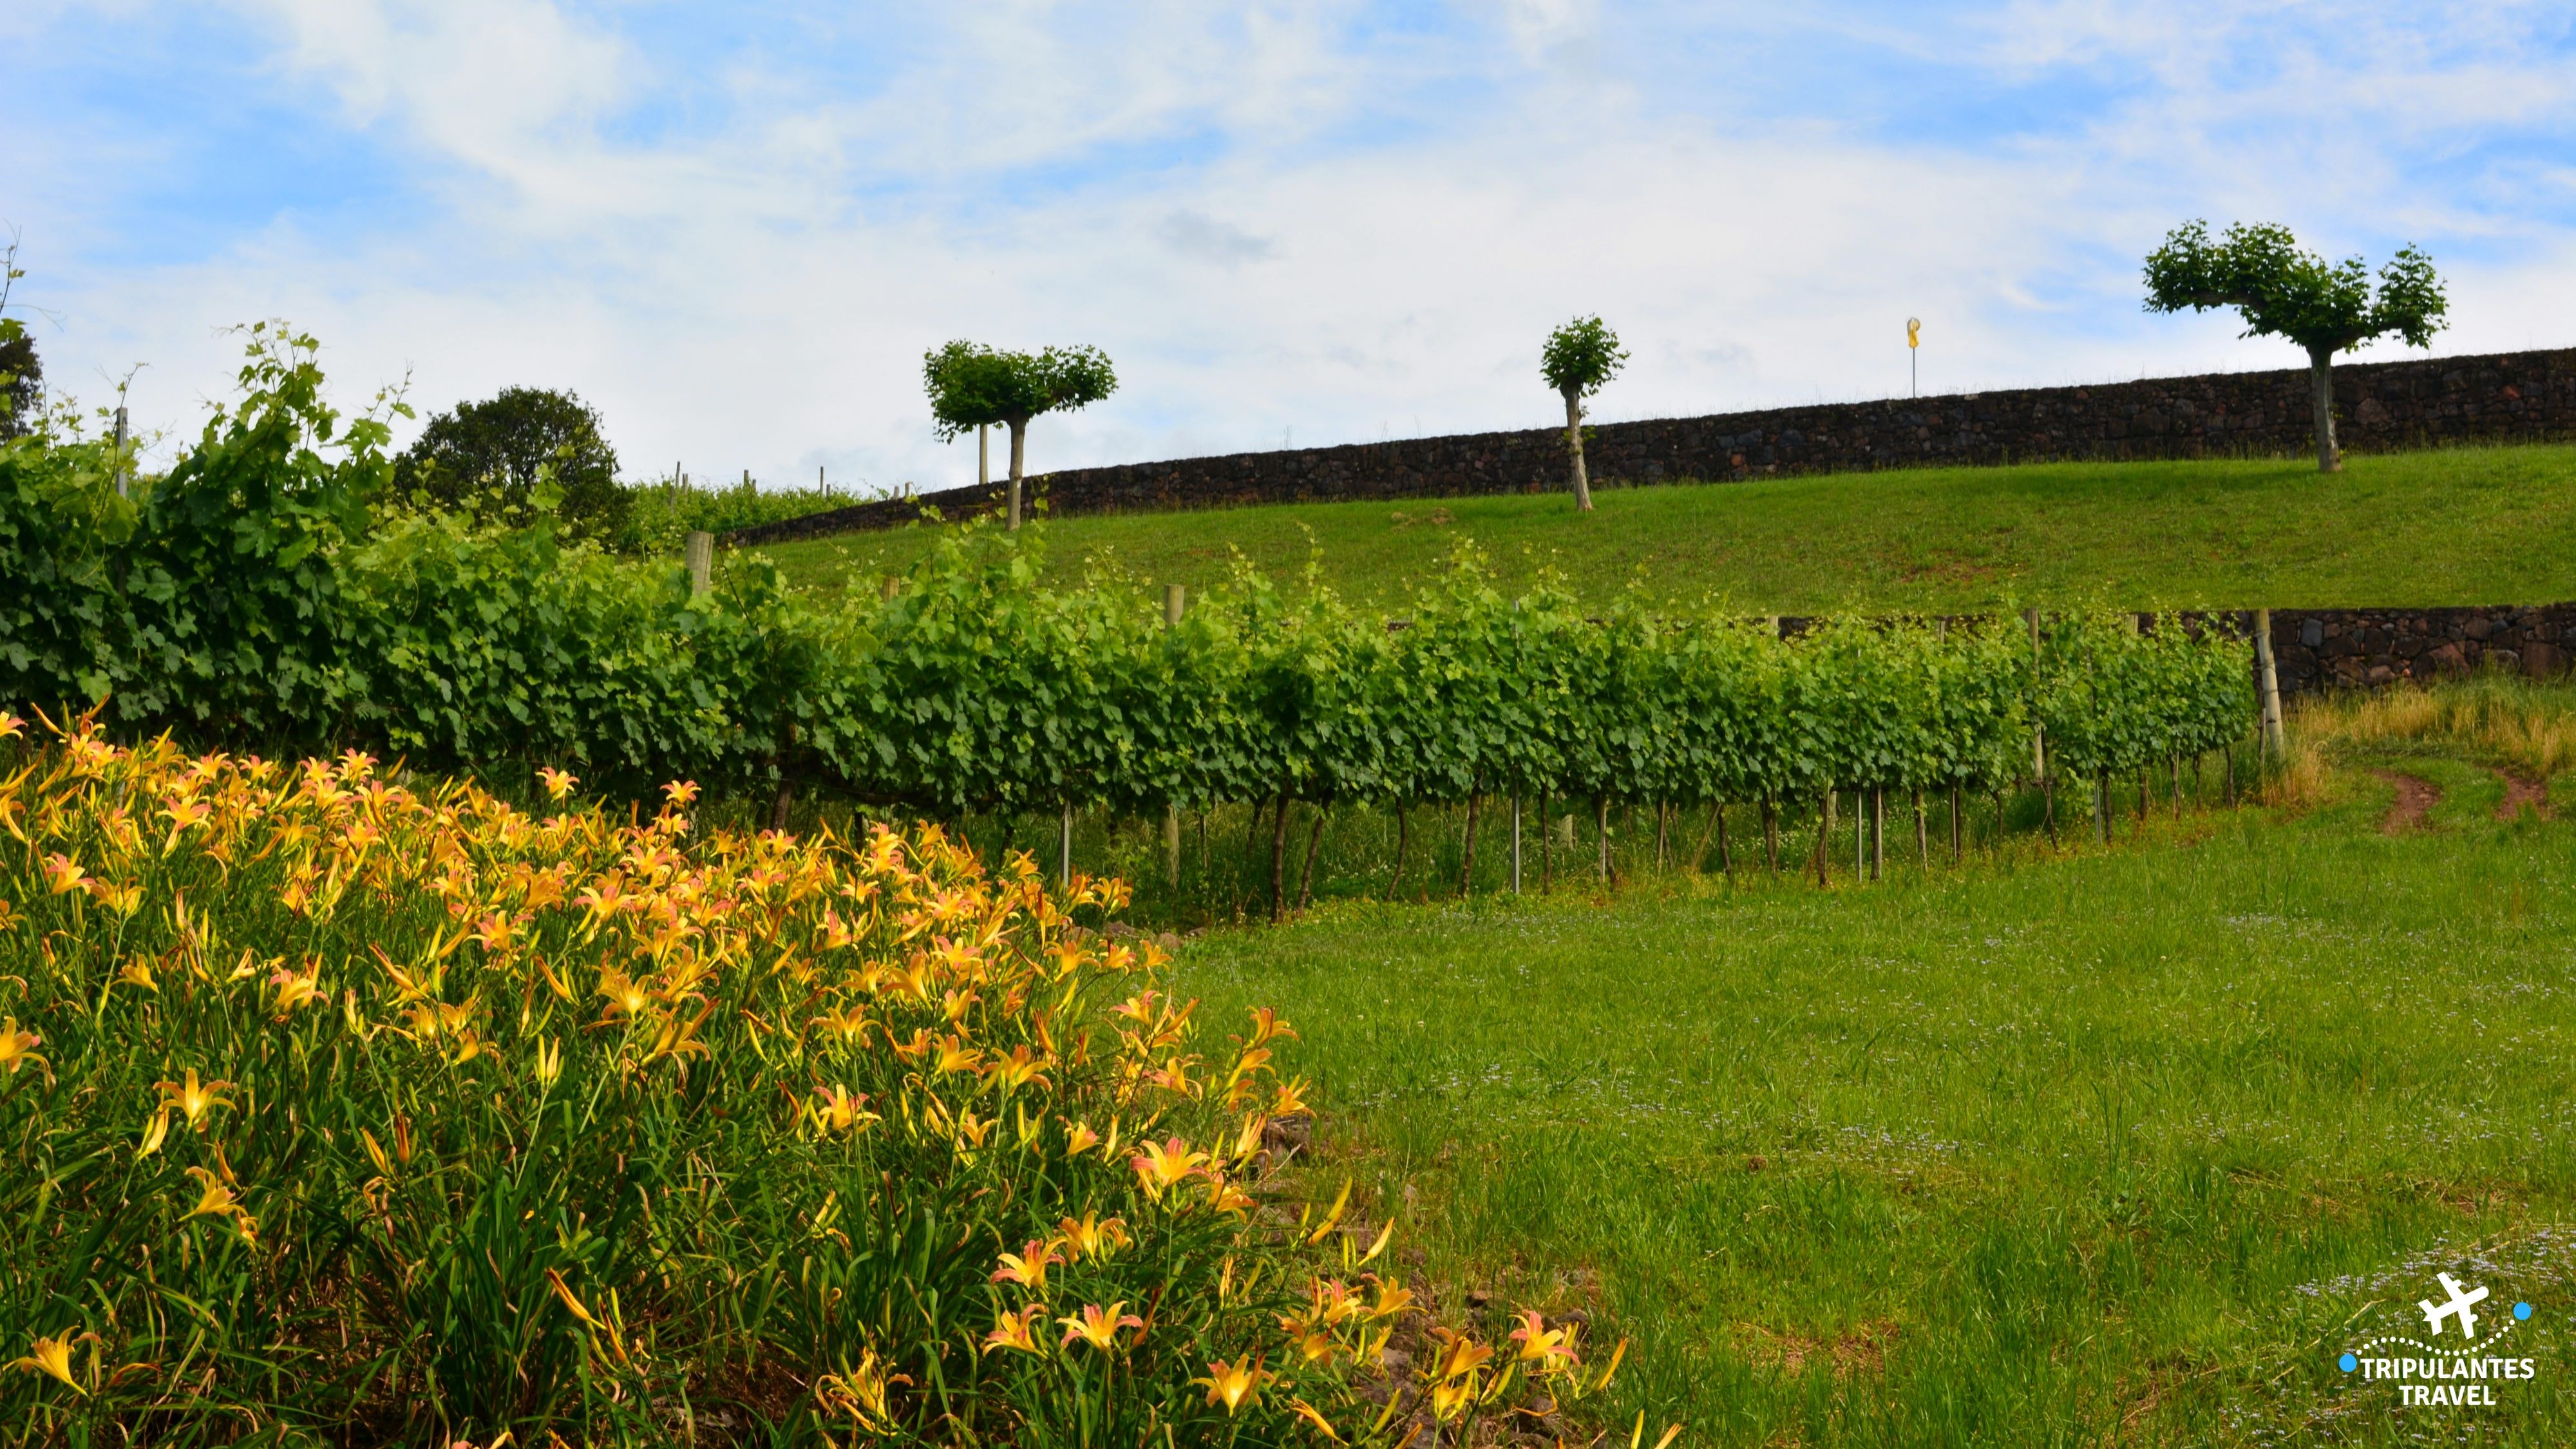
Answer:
(1232, 1384)
(1162, 1165)
(1090, 1238)
(63, 875)
(955, 1056)
(1080, 1139)
(558, 783)
(1099, 1326)
(840, 1110)
(1307, 1412)
(549, 1065)
(218, 1200)
(1457, 1357)
(1392, 1298)
(17, 1048)
(1012, 1330)
(153, 1133)
(1018, 1069)
(849, 1026)
(193, 1100)
(1029, 1270)
(626, 997)
(294, 989)
(52, 1356)
(138, 972)
(1551, 1347)
(860, 1393)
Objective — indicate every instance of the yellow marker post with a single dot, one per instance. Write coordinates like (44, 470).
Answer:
(1913, 365)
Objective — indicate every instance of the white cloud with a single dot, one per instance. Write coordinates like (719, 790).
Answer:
(1276, 228)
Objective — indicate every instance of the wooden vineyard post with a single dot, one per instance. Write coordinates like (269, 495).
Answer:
(1064, 850)
(2038, 731)
(1175, 598)
(700, 550)
(2269, 677)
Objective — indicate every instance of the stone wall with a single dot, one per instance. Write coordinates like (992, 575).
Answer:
(2328, 648)
(2523, 396)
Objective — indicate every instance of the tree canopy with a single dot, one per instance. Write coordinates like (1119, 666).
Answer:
(22, 375)
(973, 386)
(1581, 356)
(489, 458)
(2283, 291)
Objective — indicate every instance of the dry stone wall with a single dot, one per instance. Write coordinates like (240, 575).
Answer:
(2503, 397)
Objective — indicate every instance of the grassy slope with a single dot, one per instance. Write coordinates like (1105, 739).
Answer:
(2481, 525)
(2061, 1151)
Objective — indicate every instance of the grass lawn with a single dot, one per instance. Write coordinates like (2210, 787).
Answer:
(2479, 525)
(2104, 1146)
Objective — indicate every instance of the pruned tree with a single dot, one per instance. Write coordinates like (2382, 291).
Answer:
(22, 375)
(1579, 357)
(2282, 291)
(973, 386)
(488, 458)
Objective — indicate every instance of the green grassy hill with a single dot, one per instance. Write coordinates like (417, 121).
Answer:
(2459, 526)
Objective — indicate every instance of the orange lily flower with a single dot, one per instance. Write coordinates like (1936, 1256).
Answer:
(1231, 1384)
(1457, 1357)
(1550, 1346)
(17, 1048)
(1165, 1164)
(1099, 1326)
(956, 1056)
(1090, 1238)
(841, 1109)
(63, 875)
(1012, 1330)
(1028, 1271)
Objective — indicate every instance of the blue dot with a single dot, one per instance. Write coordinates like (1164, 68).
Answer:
(2522, 1310)
(2349, 1363)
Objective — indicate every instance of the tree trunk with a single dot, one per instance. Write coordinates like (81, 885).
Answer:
(1663, 823)
(1725, 857)
(1824, 833)
(1314, 839)
(1279, 861)
(1954, 822)
(1699, 852)
(778, 811)
(1922, 831)
(1019, 455)
(983, 457)
(1467, 866)
(2321, 387)
(1574, 446)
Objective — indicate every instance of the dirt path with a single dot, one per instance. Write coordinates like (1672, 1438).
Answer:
(2519, 792)
(2415, 799)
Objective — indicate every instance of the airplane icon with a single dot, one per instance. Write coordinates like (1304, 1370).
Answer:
(2459, 1305)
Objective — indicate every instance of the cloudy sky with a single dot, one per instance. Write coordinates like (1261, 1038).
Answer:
(735, 229)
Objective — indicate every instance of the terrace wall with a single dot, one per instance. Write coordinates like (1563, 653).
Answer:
(2502, 397)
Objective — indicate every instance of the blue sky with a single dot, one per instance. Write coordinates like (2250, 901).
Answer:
(736, 229)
